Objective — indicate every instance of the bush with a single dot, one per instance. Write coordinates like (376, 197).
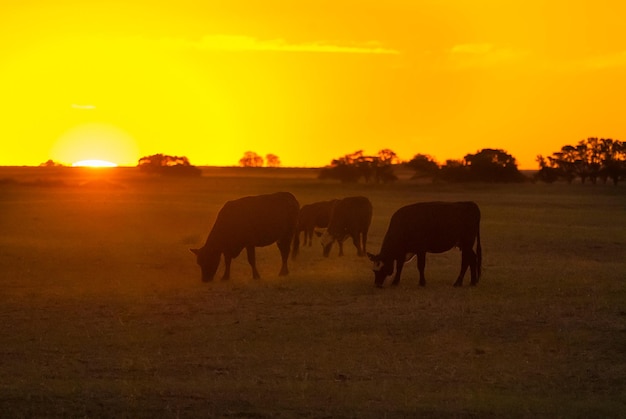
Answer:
(161, 164)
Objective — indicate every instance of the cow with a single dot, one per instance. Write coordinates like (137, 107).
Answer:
(311, 216)
(249, 222)
(430, 227)
(351, 217)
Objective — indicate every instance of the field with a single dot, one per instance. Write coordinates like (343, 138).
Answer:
(103, 314)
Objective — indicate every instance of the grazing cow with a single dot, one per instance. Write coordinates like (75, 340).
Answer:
(430, 227)
(351, 217)
(253, 221)
(311, 216)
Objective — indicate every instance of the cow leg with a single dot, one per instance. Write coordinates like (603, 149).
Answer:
(399, 266)
(284, 254)
(227, 260)
(308, 237)
(466, 261)
(357, 244)
(340, 243)
(364, 238)
(252, 261)
(473, 264)
(421, 264)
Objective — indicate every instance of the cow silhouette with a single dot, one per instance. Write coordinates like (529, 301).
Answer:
(312, 216)
(430, 227)
(350, 217)
(249, 222)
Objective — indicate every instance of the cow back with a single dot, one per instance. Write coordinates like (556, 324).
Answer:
(353, 214)
(432, 227)
(316, 214)
(255, 221)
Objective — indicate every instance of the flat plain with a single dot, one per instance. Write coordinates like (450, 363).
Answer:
(103, 314)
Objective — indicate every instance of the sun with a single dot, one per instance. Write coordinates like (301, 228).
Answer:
(94, 163)
(95, 144)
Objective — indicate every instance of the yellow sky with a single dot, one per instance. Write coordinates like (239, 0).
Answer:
(308, 81)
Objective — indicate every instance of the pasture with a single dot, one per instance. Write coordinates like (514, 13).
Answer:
(103, 314)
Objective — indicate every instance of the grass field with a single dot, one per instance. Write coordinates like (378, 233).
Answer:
(103, 314)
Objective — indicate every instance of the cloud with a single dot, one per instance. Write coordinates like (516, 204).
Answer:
(483, 55)
(241, 43)
(83, 106)
(472, 49)
(613, 60)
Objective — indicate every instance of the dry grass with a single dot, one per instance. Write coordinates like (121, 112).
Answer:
(103, 313)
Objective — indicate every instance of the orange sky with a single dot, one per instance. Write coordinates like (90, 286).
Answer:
(306, 80)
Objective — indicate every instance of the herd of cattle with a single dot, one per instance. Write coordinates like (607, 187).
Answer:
(414, 230)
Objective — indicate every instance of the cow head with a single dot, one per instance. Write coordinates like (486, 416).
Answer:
(382, 268)
(208, 260)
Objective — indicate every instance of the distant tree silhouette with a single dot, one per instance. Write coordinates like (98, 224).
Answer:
(51, 163)
(613, 156)
(566, 162)
(454, 171)
(344, 169)
(351, 167)
(547, 173)
(487, 165)
(383, 166)
(162, 164)
(424, 166)
(251, 159)
(388, 156)
(272, 160)
(493, 165)
(590, 159)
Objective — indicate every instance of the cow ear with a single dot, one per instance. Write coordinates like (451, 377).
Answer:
(195, 251)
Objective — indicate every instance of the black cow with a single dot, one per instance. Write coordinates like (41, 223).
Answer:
(351, 217)
(249, 222)
(311, 216)
(430, 227)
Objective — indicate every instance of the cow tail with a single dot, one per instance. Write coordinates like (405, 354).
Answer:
(479, 254)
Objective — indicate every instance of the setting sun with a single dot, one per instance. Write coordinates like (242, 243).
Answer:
(94, 163)
(95, 142)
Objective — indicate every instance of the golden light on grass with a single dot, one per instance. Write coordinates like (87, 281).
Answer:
(94, 163)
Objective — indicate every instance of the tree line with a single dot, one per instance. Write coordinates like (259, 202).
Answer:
(592, 159)
(487, 165)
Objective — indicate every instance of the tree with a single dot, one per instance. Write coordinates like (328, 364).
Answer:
(566, 162)
(272, 160)
(547, 173)
(383, 166)
(251, 159)
(50, 163)
(593, 159)
(352, 167)
(162, 164)
(344, 168)
(388, 156)
(493, 165)
(423, 165)
(613, 156)
(454, 171)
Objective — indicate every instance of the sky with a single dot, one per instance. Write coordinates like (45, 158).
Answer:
(308, 81)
